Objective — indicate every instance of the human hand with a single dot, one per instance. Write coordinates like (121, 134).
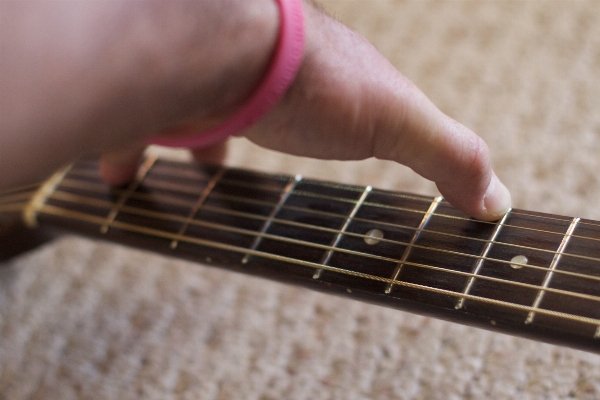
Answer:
(347, 102)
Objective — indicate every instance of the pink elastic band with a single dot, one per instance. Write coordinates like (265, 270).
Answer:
(282, 72)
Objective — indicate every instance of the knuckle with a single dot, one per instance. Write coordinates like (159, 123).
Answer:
(480, 164)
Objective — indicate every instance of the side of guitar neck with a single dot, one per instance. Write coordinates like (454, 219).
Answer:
(532, 275)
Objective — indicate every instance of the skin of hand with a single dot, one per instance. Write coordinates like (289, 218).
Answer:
(347, 102)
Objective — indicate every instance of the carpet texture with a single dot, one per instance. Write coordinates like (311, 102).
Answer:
(81, 319)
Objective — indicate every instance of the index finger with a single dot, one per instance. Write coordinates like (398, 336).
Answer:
(444, 151)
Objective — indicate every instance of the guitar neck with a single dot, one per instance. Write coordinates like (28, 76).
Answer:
(530, 274)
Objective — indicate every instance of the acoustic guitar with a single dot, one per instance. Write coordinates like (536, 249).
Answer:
(530, 274)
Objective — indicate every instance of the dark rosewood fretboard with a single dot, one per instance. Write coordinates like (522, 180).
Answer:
(531, 274)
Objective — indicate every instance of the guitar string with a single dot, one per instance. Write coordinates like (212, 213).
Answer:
(168, 217)
(64, 213)
(363, 236)
(572, 294)
(534, 249)
(168, 185)
(385, 206)
(425, 199)
(16, 197)
(15, 207)
(187, 205)
(102, 188)
(76, 199)
(457, 253)
(366, 203)
(355, 188)
(20, 188)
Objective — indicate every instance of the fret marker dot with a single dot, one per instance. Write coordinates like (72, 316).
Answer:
(516, 260)
(373, 236)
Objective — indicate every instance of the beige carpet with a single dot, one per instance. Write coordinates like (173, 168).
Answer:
(88, 320)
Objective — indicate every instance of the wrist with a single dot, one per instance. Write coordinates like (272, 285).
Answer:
(203, 65)
(283, 67)
(239, 57)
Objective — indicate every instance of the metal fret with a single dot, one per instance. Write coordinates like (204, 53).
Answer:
(433, 277)
(480, 261)
(40, 197)
(287, 190)
(142, 172)
(340, 234)
(413, 240)
(203, 196)
(74, 215)
(553, 265)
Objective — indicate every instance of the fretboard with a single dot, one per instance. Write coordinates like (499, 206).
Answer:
(530, 274)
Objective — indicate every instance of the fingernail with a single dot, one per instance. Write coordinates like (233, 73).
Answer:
(497, 198)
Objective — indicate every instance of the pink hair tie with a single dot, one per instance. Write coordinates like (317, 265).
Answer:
(282, 71)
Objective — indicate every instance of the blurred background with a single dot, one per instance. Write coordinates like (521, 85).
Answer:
(85, 319)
